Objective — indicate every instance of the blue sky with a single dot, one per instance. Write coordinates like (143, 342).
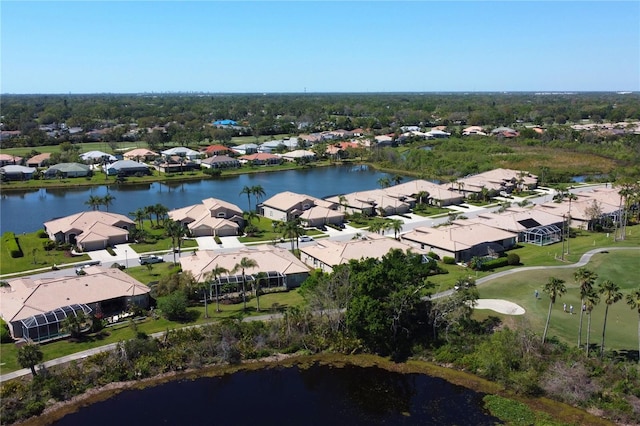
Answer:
(363, 46)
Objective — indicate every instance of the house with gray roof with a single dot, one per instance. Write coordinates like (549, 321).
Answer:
(127, 168)
(11, 172)
(99, 157)
(67, 170)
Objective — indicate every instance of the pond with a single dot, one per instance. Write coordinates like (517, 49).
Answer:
(318, 395)
(27, 211)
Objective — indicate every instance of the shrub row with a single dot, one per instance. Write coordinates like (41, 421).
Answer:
(11, 243)
(495, 263)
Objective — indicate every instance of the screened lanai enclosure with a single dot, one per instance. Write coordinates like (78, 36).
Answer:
(543, 235)
(233, 283)
(48, 325)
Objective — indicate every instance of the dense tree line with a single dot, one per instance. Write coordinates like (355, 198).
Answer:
(285, 113)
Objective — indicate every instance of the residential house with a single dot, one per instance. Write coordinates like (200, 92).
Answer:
(280, 265)
(437, 134)
(474, 131)
(433, 193)
(462, 241)
(499, 180)
(299, 154)
(246, 149)
(220, 162)
(128, 168)
(532, 225)
(211, 218)
(505, 132)
(315, 212)
(175, 164)
(326, 254)
(91, 230)
(11, 172)
(67, 170)
(140, 155)
(7, 159)
(260, 159)
(374, 202)
(99, 157)
(212, 150)
(35, 308)
(39, 160)
(181, 151)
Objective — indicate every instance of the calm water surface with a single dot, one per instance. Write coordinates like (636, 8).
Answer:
(27, 211)
(320, 395)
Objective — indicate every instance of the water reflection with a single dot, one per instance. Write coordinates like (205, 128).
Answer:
(44, 204)
(319, 395)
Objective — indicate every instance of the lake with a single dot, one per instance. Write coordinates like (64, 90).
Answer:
(318, 395)
(27, 211)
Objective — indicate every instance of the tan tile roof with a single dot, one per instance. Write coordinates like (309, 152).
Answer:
(437, 192)
(82, 221)
(269, 258)
(455, 238)
(139, 152)
(334, 253)
(100, 232)
(319, 212)
(260, 156)
(26, 296)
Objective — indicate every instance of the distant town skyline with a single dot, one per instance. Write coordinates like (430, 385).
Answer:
(317, 47)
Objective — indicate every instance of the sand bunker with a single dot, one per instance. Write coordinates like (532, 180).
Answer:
(500, 306)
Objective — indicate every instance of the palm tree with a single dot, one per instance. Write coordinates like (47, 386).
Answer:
(585, 278)
(212, 277)
(342, 200)
(260, 276)
(245, 263)
(160, 211)
(421, 196)
(29, 356)
(94, 202)
(396, 225)
(258, 192)
(292, 229)
(384, 182)
(247, 190)
(249, 216)
(611, 294)
(633, 300)
(107, 200)
(554, 288)
(139, 216)
(397, 179)
(590, 302)
(176, 231)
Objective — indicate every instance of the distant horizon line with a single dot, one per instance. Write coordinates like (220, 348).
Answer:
(419, 92)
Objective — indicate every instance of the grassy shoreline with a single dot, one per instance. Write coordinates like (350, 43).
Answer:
(560, 412)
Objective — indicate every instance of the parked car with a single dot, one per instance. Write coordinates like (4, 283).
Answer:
(145, 260)
(305, 238)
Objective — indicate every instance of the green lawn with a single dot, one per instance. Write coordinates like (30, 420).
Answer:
(40, 259)
(124, 331)
(621, 267)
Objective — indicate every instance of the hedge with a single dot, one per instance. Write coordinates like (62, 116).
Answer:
(449, 260)
(11, 243)
(495, 263)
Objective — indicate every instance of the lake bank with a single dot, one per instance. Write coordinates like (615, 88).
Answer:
(557, 411)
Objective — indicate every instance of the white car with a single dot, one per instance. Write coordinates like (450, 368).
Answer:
(305, 238)
(147, 260)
